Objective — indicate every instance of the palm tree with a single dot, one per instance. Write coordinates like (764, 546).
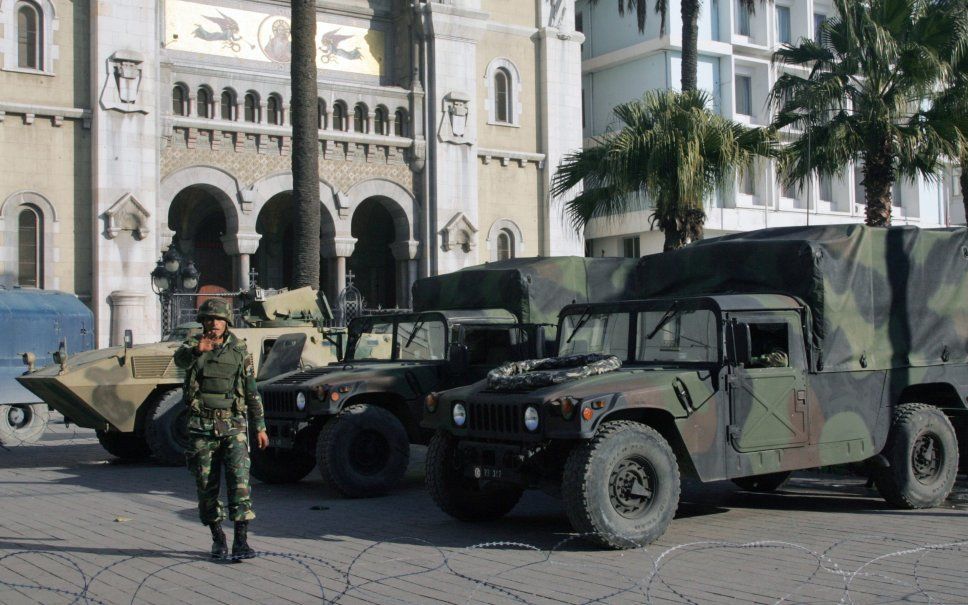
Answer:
(689, 11)
(671, 148)
(305, 144)
(865, 93)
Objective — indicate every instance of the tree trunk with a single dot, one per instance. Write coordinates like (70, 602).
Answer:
(690, 43)
(964, 184)
(878, 182)
(305, 145)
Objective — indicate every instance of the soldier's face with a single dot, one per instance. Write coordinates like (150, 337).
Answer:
(214, 326)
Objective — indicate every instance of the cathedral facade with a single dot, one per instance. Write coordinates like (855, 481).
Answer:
(131, 126)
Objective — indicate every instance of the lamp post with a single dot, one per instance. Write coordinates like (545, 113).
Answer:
(173, 274)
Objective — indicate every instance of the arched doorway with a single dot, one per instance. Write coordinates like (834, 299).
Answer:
(372, 262)
(274, 259)
(199, 225)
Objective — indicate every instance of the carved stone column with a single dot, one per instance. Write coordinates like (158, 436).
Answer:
(242, 245)
(342, 248)
(406, 254)
(127, 313)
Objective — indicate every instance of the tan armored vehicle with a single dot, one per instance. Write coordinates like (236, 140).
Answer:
(132, 395)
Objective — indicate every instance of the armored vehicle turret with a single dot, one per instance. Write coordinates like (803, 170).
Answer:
(132, 395)
(745, 358)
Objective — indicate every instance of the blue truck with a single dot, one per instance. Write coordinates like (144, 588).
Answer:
(37, 328)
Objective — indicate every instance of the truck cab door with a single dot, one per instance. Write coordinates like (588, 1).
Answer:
(767, 389)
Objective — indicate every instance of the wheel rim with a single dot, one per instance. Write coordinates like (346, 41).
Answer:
(369, 452)
(18, 416)
(927, 458)
(631, 487)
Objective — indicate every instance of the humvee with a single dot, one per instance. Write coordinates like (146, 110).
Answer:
(749, 356)
(132, 395)
(356, 419)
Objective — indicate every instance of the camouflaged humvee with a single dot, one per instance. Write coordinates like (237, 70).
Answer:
(747, 357)
(356, 419)
(132, 395)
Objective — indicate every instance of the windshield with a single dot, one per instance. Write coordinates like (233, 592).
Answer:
(420, 339)
(669, 335)
(606, 333)
(681, 336)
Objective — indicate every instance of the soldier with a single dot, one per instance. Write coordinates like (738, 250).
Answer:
(220, 391)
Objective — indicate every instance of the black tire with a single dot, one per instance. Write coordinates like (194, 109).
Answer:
(363, 452)
(167, 427)
(286, 465)
(601, 474)
(22, 423)
(923, 454)
(762, 483)
(127, 446)
(459, 496)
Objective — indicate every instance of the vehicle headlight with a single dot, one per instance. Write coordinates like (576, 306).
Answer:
(300, 401)
(459, 414)
(531, 418)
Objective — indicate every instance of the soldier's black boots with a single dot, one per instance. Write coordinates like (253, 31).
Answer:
(240, 545)
(220, 548)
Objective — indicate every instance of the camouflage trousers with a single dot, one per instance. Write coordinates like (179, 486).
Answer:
(207, 455)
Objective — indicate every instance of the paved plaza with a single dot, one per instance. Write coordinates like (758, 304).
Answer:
(77, 526)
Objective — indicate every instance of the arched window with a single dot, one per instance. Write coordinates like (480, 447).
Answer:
(502, 95)
(505, 245)
(339, 115)
(380, 119)
(227, 105)
(29, 36)
(251, 107)
(204, 102)
(359, 118)
(274, 110)
(178, 100)
(321, 110)
(30, 248)
(400, 123)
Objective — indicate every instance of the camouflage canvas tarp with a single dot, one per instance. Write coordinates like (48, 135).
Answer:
(880, 297)
(533, 289)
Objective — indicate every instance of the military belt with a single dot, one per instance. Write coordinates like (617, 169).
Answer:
(215, 414)
(216, 401)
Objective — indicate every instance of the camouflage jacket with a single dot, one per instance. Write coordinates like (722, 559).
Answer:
(246, 399)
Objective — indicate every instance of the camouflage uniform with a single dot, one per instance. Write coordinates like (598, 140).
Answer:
(220, 389)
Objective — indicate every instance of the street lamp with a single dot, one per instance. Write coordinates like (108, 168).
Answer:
(173, 274)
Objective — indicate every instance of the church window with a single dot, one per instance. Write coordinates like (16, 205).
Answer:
(339, 115)
(400, 123)
(380, 121)
(505, 245)
(274, 110)
(178, 100)
(502, 95)
(29, 36)
(227, 105)
(359, 118)
(321, 111)
(251, 107)
(30, 248)
(204, 101)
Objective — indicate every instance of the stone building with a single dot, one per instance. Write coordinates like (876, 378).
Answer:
(127, 126)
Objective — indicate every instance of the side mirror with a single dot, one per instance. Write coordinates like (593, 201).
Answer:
(128, 339)
(738, 343)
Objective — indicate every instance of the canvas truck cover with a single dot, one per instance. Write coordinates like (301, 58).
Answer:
(533, 289)
(879, 297)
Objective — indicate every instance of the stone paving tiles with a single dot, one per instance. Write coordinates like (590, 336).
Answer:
(77, 526)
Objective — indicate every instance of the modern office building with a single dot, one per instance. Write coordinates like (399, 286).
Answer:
(735, 49)
(128, 126)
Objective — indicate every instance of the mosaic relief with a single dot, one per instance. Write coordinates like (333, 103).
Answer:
(254, 36)
(250, 166)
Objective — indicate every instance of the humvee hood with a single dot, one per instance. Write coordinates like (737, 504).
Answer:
(342, 373)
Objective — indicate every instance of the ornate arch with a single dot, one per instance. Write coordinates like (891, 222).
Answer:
(9, 211)
(222, 185)
(511, 228)
(515, 89)
(398, 201)
(268, 187)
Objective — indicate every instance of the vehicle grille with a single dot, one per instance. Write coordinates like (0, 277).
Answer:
(156, 366)
(279, 402)
(495, 418)
(300, 377)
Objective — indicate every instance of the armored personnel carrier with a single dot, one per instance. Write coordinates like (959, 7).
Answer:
(35, 325)
(356, 419)
(132, 395)
(745, 358)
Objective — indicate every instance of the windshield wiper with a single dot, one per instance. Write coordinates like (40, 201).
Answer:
(666, 318)
(581, 322)
(416, 328)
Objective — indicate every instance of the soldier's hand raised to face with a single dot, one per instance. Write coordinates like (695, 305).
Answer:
(205, 344)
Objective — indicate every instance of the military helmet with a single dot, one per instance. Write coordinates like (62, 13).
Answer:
(219, 308)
